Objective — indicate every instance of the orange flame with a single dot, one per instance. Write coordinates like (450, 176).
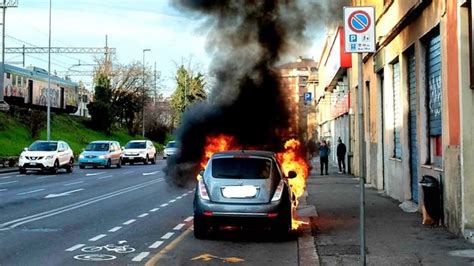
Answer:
(217, 144)
(292, 159)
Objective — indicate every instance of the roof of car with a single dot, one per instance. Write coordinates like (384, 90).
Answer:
(267, 154)
(103, 141)
(138, 140)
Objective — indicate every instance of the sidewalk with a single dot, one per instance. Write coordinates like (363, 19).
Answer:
(393, 237)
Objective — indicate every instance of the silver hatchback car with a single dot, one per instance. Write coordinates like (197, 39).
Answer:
(243, 189)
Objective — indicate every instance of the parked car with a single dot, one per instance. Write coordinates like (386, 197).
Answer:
(243, 189)
(171, 149)
(139, 151)
(101, 153)
(46, 156)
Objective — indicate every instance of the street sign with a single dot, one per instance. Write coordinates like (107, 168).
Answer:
(308, 97)
(359, 29)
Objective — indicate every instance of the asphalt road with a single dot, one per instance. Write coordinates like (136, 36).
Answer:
(126, 216)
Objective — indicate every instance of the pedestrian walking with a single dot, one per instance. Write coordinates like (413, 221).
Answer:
(341, 156)
(324, 156)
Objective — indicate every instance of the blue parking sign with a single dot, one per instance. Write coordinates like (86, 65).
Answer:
(308, 96)
(352, 38)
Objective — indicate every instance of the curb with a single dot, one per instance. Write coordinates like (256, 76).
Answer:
(307, 253)
(6, 170)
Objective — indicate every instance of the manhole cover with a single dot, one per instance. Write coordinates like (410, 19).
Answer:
(467, 253)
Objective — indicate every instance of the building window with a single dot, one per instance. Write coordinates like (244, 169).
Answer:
(397, 112)
(434, 98)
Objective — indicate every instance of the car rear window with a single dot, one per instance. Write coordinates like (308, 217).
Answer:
(135, 145)
(241, 168)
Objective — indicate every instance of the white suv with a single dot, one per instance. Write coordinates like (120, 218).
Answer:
(46, 156)
(139, 151)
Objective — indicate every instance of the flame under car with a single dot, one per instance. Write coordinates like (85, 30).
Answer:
(243, 189)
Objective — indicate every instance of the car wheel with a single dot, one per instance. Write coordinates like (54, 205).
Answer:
(146, 160)
(22, 171)
(55, 168)
(119, 164)
(200, 228)
(109, 163)
(70, 166)
(154, 159)
(82, 166)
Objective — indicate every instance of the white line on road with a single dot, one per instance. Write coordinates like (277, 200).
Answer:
(76, 247)
(3, 189)
(6, 177)
(43, 177)
(178, 227)
(189, 219)
(67, 193)
(11, 182)
(74, 183)
(128, 172)
(129, 222)
(167, 235)
(151, 173)
(154, 210)
(20, 175)
(184, 195)
(115, 229)
(164, 205)
(5, 174)
(29, 192)
(156, 244)
(171, 201)
(143, 215)
(95, 238)
(93, 174)
(180, 197)
(141, 256)
(38, 216)
(104, 177)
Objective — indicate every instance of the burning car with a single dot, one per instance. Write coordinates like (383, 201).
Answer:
(243, 189)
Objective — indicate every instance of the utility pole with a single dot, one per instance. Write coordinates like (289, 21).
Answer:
(144, 96)
(48, 120)
(4, 5)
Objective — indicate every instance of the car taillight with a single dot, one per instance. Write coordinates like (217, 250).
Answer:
(278, 191)
(202, 190)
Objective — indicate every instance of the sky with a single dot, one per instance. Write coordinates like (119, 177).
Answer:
(131, 26)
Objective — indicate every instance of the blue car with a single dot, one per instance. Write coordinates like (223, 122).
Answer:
(101, 153)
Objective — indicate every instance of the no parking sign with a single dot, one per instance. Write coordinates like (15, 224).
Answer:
(359, 28)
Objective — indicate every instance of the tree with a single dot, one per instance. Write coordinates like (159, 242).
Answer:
(101, 108)
(189, 90)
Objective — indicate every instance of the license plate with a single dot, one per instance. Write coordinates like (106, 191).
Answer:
(239, 191)
(32, 163)
(90, 161)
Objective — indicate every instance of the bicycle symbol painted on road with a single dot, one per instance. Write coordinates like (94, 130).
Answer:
(120, 249)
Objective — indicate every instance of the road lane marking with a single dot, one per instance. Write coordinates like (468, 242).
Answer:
(184, 195)
(104, 177)
(115, 229)
(167, 235)
(164, 205)
(151, 173)
(156, 244)
(129, 222)
(141, 256)
(10, 182)
(189, 219)
(30, 192)
(73, 183)
(93, 174)
(128, 172)
(43, 177)
(178, 227)
(154, 260)
(3, 189)
(67, 193)
(143, 215)
(76, 247)
(178, 198)
(20, 175)
(95, 238)
(154, 210)
(171, 201)
(38, 216)
(6, 177)
(5, 174)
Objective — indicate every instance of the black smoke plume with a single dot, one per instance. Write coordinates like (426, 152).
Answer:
(245, 39)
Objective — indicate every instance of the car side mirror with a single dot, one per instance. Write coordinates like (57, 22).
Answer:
(291, 174)
(25, 149)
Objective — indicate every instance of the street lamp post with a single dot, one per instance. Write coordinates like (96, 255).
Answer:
(143, 103)
(48, 112)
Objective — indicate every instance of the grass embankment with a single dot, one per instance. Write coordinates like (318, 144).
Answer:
(14, 136)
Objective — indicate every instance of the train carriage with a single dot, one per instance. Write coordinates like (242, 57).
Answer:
(28, 88)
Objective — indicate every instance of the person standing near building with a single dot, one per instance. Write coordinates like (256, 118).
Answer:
(324, 156)
(341, 156)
